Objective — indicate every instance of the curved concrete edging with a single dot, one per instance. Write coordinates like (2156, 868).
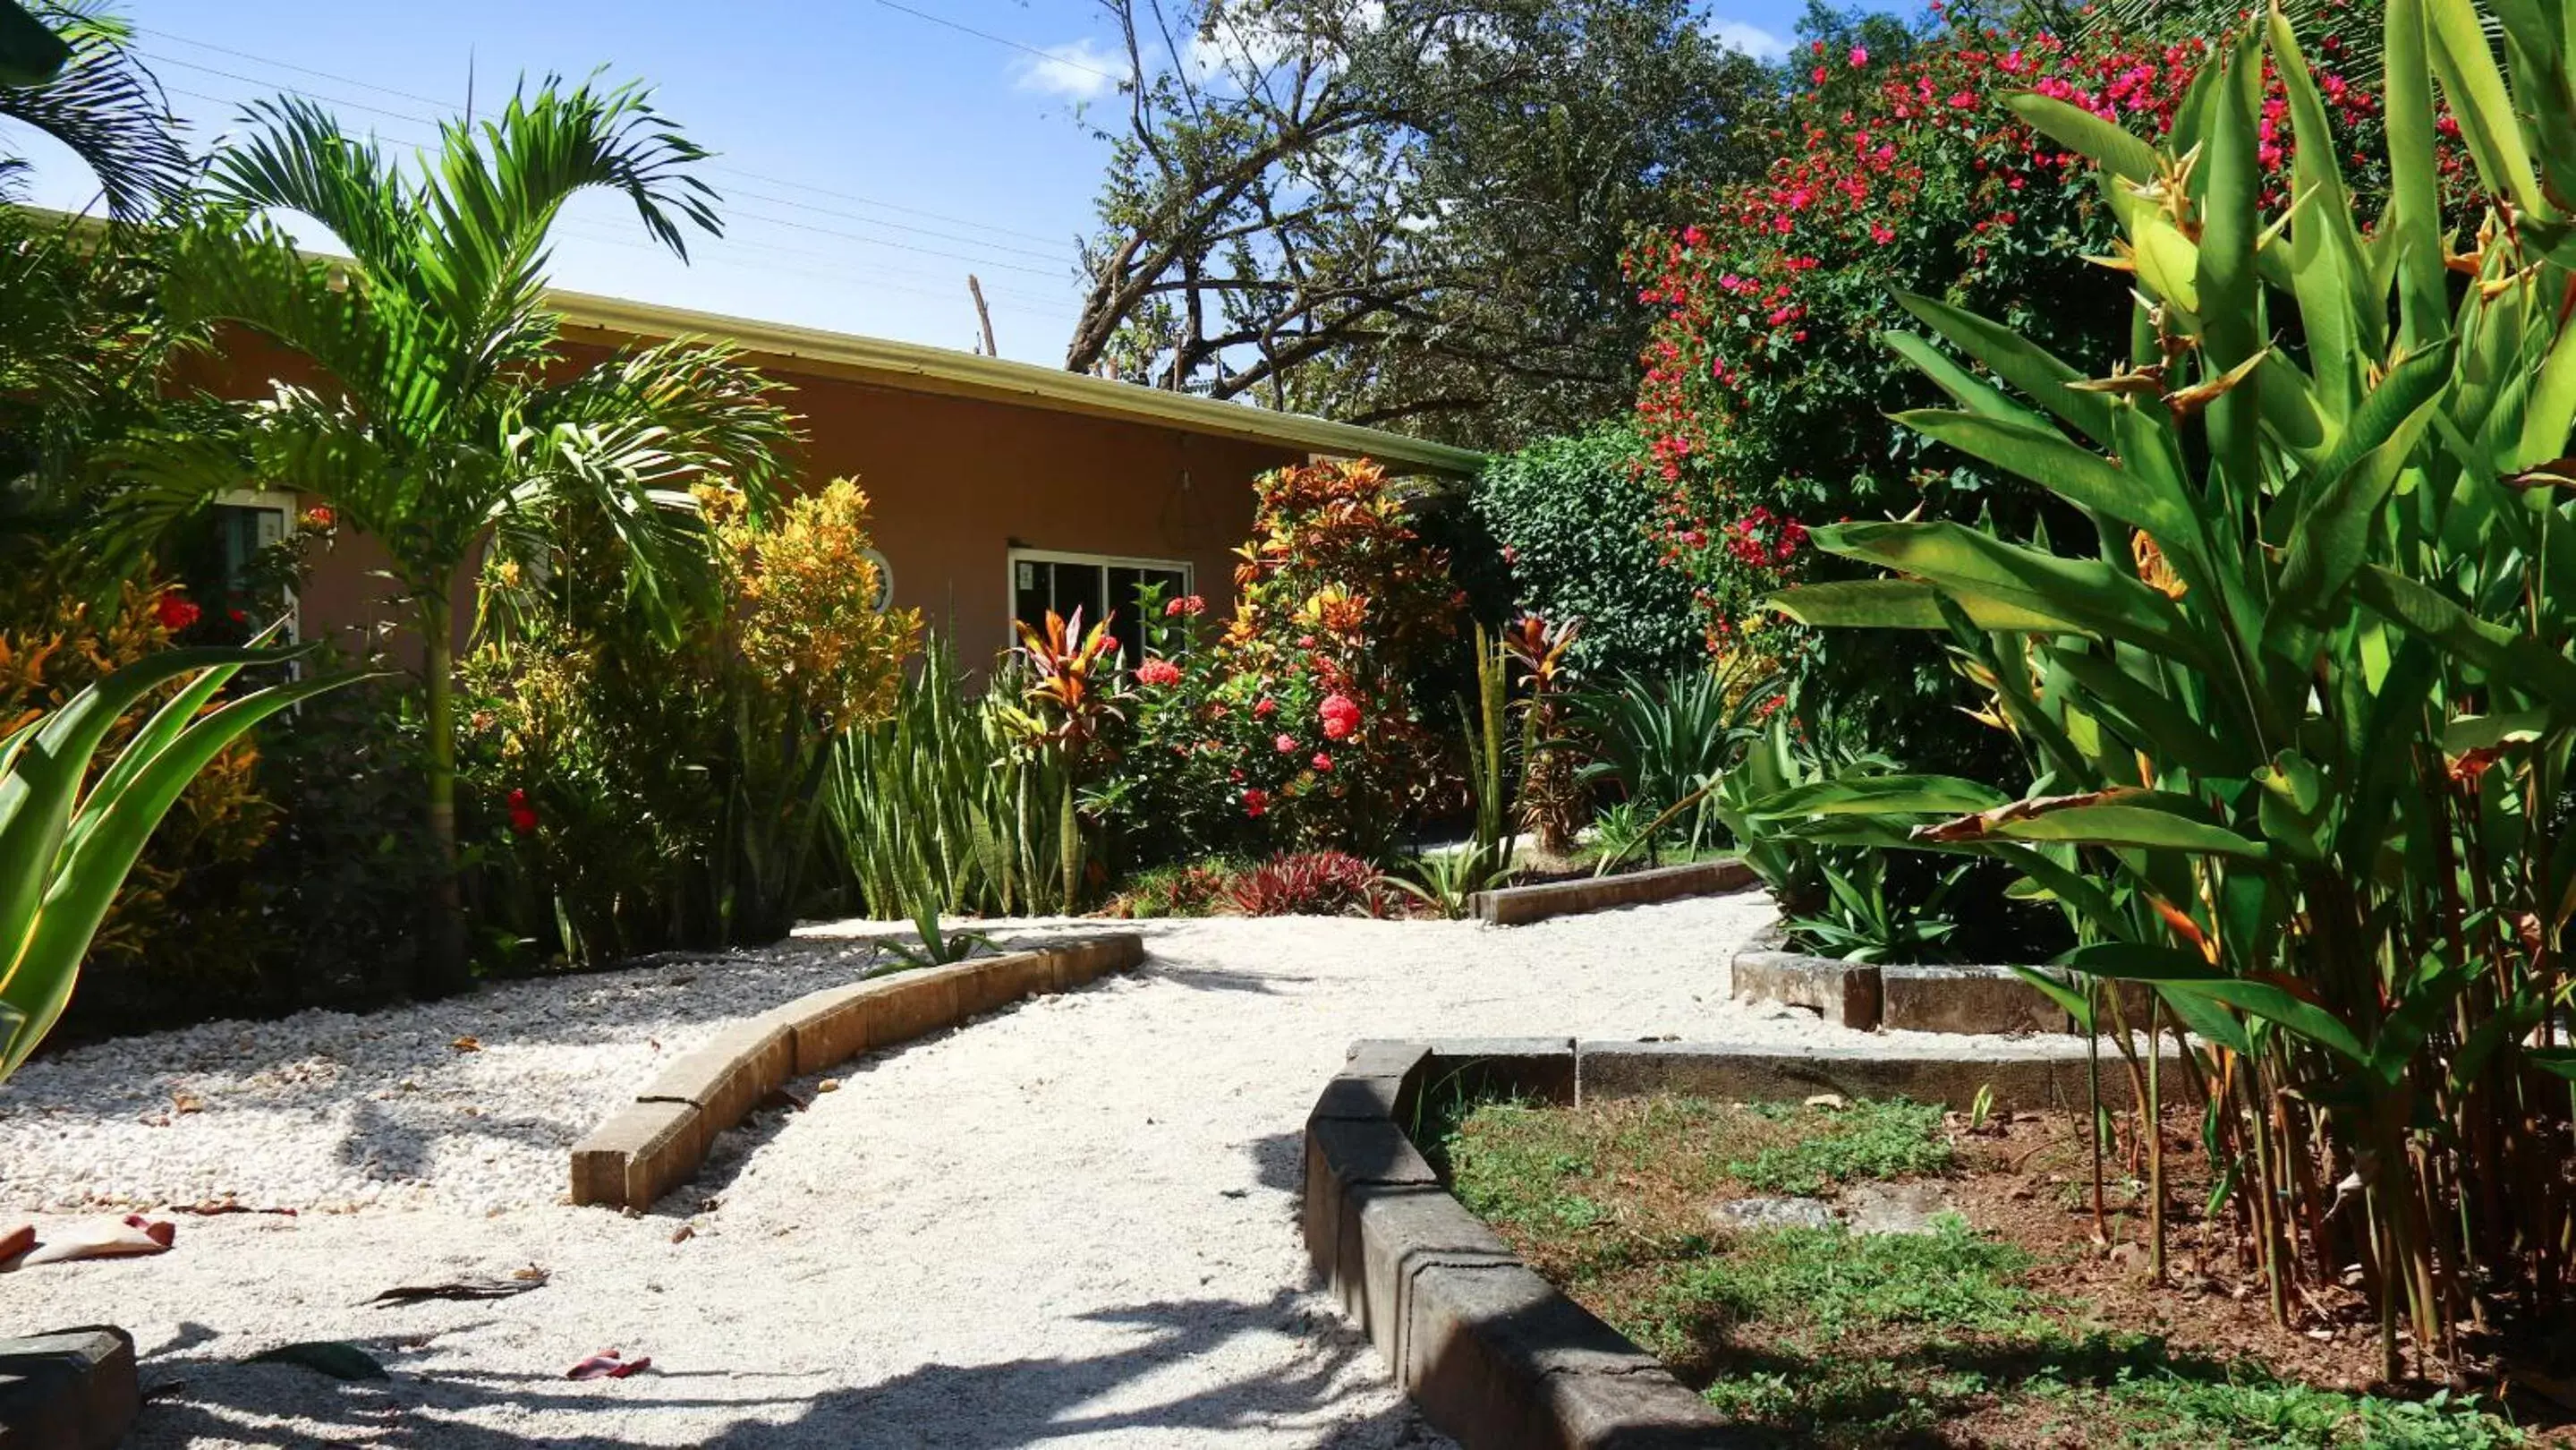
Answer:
(656, 1143)
(1521, 905)
(1495, 1357)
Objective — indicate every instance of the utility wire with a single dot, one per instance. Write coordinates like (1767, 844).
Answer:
(717, 164)
(1045, 55)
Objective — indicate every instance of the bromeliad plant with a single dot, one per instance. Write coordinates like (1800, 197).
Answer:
(65, 848)
(2301, 714)
(1073, 693)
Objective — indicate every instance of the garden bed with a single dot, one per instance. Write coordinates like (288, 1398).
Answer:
(1562, 1243)
(1519, 905)
(1888, 1273)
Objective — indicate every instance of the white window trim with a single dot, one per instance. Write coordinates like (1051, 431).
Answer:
(1011, 573)
(291, 506)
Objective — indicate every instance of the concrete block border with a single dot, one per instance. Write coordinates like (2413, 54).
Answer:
(1493, 1355)
(1521, 905)
(655, 1143)
(68, 1389)
(1962, 999)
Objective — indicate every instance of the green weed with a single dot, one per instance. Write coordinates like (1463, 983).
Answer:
(1866, 1140)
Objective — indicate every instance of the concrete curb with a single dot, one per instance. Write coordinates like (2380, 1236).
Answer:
(1495, 1357)
(655, 1143)
(1521, 905)
(68, 1389)
(1961, 999)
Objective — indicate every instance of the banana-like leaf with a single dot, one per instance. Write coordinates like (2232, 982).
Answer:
(2173, 971)
(2079, 475)
(2038, 373)
(1921, 795)
(1911, 604)
(2508, 658)
(2480, 102)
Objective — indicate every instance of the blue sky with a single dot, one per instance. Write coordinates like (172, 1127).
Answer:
(871, 152)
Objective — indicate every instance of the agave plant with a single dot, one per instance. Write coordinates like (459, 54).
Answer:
(65, 848)
(2301, 713)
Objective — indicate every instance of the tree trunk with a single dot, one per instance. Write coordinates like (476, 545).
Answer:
(443, 969)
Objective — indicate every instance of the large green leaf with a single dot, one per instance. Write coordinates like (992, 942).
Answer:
(2079, 475)
(2039, 374)
(2173, 970)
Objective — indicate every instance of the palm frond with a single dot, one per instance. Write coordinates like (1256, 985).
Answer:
(106, 107)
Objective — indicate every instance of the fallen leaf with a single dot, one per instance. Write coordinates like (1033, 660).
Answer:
(1828, 1100)
(186, 1102)
(781, 1100)
(462, 1289)
(828, 1085)
(214, 1207)
(17, 1241)
(336, 1358)
(683, 1234)
(467, 1044)
(129, 1237)
(608, 1364)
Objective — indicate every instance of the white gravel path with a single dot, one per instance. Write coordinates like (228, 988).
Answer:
(1071, 1223)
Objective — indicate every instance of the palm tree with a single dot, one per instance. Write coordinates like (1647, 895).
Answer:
(68, 69)
(450, 419)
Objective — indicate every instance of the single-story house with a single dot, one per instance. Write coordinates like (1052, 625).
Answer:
(1000, 489)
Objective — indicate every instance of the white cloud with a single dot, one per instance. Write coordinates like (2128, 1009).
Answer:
(1077, 70)
(1753, 40)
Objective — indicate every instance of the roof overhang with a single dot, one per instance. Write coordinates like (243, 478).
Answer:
(916, 368)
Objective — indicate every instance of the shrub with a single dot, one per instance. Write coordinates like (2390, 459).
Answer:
(1308, 883)
(1297, 723)
(1769, 386)
(1575, 519)
(631, 790)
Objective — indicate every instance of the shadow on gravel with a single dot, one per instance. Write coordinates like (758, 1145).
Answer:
(958, 1407)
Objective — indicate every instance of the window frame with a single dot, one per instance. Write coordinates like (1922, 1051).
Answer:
(1104, 562)
(290, 505)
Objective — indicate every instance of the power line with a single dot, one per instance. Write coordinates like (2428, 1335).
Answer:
(1045, 55)
(714, 164)
(1058, 273)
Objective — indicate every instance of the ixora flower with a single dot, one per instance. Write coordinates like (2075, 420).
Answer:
(1158, 671)
(1187, 604)
(1265, 707)
(1287, 744)
(175, 611)
(523, 817)
(1341, 716)
(1256, 801)
(1321, 761)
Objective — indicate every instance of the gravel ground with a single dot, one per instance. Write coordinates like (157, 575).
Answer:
(1072, 1222)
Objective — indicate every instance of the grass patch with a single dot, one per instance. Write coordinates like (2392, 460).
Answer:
(1895, 1139)
(1866, 1342)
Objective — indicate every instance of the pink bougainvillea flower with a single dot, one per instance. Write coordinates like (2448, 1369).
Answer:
(1158, 671)
(175, 612)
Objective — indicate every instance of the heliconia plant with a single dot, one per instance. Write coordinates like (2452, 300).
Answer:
(2300, 712)
(66, 846)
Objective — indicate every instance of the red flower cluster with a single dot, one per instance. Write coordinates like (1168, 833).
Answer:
(1763, 540)
(174, 612)
(523, 817)
(1185, 606)
(1158, 672)
(1341, 716)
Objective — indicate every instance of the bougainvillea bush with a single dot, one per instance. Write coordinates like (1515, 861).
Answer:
(1771, 376)
(1294, 723)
